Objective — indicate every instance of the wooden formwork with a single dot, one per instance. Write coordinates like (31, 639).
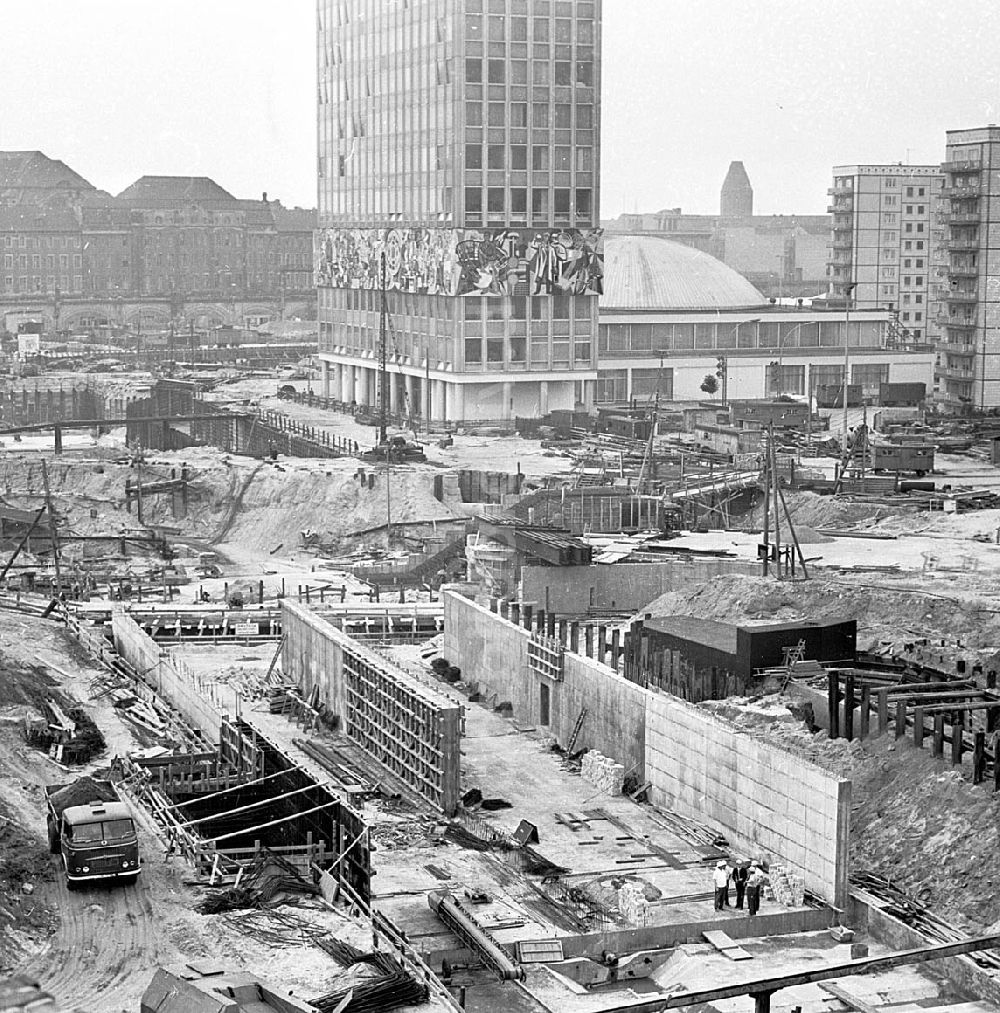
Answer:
(410, 730)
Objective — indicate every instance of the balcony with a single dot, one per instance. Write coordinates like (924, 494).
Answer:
(842, 244)
(963, 218)
(962, 271)
(961, 296)
(961, 243)
(967, 166)
(961, 192)
(957, 373)
(840, 208)
(840, 191)
(957, 348)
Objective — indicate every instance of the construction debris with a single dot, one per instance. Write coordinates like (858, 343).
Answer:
(267, 881)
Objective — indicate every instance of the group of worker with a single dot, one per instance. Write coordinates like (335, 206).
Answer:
(749, 879)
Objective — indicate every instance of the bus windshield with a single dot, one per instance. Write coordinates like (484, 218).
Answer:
(109, 830)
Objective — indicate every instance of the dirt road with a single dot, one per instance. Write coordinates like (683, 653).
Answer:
(109, 939)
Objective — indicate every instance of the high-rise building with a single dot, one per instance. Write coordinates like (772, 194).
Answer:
(969, 304)
(885, 233)
(459, 150)
(736, 197)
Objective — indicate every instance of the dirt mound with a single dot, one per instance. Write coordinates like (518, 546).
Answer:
(815, 511)
(27, 921)
(883, 614)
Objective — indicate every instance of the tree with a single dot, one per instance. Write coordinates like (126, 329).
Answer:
(710, 384)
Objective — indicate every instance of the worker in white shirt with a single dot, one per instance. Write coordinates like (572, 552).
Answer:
(720, 877)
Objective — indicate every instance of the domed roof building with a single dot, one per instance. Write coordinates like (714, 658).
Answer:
(671, 315)
(647, 272)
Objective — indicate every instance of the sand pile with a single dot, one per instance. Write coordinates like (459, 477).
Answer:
(883, 614)
(815, 511)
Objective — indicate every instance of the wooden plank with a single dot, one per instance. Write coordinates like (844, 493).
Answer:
(852, 1002)
(726, 945)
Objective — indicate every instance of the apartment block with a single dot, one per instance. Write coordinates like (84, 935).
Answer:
(459, 151)
(885, 233)
(969, 308)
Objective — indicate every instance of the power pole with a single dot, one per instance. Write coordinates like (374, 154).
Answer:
(52, 529)
(383, 394)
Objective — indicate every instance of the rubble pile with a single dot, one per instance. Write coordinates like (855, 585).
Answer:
(603, 772)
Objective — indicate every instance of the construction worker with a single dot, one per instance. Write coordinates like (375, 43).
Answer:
(721, 880)
(758, 877)
(741, 873)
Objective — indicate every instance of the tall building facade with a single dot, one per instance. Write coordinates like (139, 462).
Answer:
(459, 152)
(969, 307)
(736, 198)
(885, 235)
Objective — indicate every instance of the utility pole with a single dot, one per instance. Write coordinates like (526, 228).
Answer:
(848, 291)
(52, 529)
(382, 373)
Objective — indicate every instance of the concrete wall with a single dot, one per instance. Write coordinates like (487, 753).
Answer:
(768, 802)
(406, 725)
(310, 657)
(573, 590)
(493, 652)
(202, 703)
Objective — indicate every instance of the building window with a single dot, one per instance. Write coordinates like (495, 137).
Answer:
(495, 203)
(584, 207)
(497, 71)
(564, 73)
(496, 114)
(474, 71)
(473, 156)
(562, 158)
(540, 202)
(473, 200)
(473, 115)
(519, 157)
(563, 116)
(540, 115)
(495, 156)
(585, 74)
(540, 30)
(584, 117)
(518, 201)
(519, 114)
(540, 157)
(473, 351)
(560, 203)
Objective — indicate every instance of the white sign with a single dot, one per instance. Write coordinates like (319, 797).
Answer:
(29, 344)
(246, 629)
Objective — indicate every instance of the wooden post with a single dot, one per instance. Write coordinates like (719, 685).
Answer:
(938, 747)
(526, 615)
(574, 636)
(957, 738)
(615, 647)
(883, 711)
(918, 727)
(602, 643)
(866, 703)
(588, 641)
(833, 701)
(900, 718)
(849, 706)
(550, 624)
(979, 758)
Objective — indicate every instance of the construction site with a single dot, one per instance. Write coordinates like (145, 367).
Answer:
(298, 715)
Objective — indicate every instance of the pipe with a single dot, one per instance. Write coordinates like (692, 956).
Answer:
(444, 905)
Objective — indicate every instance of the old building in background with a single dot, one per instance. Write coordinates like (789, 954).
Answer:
(168, 251)
(782, 255)
(459, 171)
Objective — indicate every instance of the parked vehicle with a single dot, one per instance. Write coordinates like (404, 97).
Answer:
(93, 830)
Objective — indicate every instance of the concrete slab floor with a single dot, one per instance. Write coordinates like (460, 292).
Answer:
(700, 966)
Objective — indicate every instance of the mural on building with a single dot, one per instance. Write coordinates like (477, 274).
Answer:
(463, 262)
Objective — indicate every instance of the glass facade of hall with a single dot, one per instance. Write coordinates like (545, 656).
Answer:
(463, 137)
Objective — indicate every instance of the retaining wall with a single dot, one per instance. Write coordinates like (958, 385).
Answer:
(493, 652)
(202, 702)
(766, 800)
(627, 587)
(410, 728)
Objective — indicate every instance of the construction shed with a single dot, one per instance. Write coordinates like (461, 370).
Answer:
(201, 987)
(701, 659)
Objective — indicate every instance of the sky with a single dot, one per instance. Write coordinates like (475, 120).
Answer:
(226, 88)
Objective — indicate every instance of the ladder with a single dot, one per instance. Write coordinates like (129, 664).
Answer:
(571, 745)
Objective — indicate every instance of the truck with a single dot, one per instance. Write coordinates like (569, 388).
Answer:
(93, 831)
